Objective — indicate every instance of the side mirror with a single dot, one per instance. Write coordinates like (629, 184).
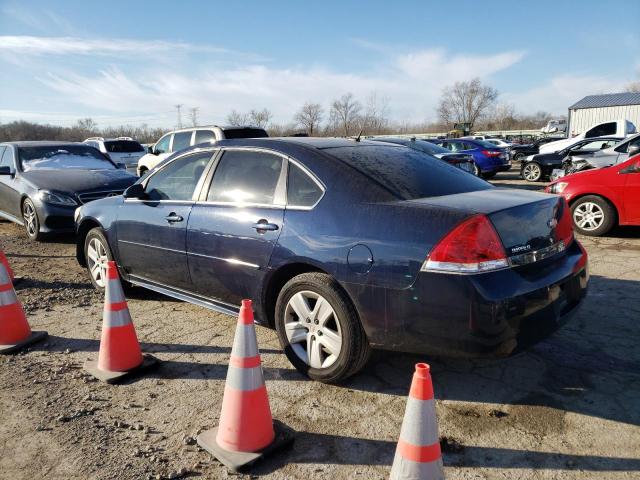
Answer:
(633, 150)
(5, 170)
(151, 150)
(134, 191)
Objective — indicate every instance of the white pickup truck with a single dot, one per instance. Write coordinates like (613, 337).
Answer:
(611, 128)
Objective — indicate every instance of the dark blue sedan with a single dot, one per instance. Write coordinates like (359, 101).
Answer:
(489, 159)
(344, 246)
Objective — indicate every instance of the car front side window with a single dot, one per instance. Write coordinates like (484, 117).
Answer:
(246, 176)
(163, 145)
(177, 180)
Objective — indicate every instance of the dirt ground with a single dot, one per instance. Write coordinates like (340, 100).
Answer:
(567, 408)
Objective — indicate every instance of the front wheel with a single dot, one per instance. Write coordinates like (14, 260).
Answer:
(319, 329)
(97, 253)
(532, 172)
(31, 221)
(593, 215)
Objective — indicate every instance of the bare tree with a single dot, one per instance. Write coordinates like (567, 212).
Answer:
(466, 102)
(345, 113)
(237, 119)
(633, 87)
(260, 118)
(309, 116)
(375, 118)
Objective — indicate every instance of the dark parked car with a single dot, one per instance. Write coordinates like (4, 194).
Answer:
(42, 183)
(536, 168)
(519, 152)
(344, 246)
(463, 161)
(488, 158)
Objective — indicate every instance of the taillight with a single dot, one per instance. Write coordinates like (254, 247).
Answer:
(564, 229)
(489, 153)
(471, 247)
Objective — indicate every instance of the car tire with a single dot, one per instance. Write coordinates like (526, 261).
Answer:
(488, 175)
(335, 361)
(96, 253)
(31, 221)
(531, 172)
(593, 215)
(518, 157)
(143, 170)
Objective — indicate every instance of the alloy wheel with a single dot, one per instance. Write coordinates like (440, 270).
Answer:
(532, 172)
(588, 216)
(30, 219)
(313, 329)
(97, 261)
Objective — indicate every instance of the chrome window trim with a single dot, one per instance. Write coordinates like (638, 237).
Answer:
(272, 206)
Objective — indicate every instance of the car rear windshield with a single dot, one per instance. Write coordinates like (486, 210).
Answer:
(245, 133)
(123, 146)
(408, 174)
(63, 156)
(485, 144)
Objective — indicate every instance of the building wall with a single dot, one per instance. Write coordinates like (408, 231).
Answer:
(581, 119)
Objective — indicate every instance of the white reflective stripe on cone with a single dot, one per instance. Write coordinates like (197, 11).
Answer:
(114, 293)
(419, 426)
(245, 343)
(119, 318)
(4, 275)
(8, 297)
(245, 378)
(404, 469)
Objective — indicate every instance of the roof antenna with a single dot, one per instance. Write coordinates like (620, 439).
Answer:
(359, 135)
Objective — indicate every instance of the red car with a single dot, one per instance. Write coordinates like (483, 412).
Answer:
(603, 197)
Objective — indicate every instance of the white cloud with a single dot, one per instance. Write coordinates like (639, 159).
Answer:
(34, 45)
(412, 82)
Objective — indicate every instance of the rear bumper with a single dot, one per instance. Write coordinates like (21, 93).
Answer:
(490, 314)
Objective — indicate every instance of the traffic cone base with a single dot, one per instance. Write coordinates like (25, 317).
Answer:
(109, 376)
(236, 461)
(34, 337)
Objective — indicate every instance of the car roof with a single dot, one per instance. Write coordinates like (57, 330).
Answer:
(318, 143)
(40, 143)
(221, 127)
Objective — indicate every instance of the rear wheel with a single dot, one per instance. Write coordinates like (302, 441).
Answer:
(532, 172)
(319, 329)
(97, 253)
(31, 221)
(593, 215)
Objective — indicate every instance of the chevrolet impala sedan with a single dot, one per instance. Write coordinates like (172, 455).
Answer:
(344, 246)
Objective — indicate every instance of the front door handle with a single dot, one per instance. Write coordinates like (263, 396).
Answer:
(173, 218)
(264, 226)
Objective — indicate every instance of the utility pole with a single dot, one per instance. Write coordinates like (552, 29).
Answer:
(194, 116)
(178, 108)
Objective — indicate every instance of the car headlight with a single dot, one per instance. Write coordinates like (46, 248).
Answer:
(558, 187)
(56, 198)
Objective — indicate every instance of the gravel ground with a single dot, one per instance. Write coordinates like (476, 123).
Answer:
(567, 408)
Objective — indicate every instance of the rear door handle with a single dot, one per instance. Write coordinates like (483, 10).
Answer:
(173, 218)
(263, 226)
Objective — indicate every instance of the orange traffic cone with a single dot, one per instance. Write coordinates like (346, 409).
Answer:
(418, 452)
(120, 355)
(246, 432)
(15, 332)
(3, 259)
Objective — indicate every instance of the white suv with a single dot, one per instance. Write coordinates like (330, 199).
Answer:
(186, 137)
(123, 150)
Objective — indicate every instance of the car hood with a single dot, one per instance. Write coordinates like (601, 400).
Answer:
(73, 180)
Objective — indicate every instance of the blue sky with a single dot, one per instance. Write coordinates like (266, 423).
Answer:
(131, 62)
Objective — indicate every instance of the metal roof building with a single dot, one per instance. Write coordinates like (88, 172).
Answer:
(594, 109)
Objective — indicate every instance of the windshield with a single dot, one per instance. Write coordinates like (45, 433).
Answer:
(123, 146)
(56, 157)
(407, 173)
(430, 148)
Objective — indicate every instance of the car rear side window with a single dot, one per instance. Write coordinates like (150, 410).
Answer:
(122, 146)
(181, 140)
(178, 179)
(245, 133)
(302, 190)
(246, 176)
(408, 174)
(204, 136)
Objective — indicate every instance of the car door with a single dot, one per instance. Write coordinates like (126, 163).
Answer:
(235, 225)
(10, 188)
(632, 192)
(151, 231)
